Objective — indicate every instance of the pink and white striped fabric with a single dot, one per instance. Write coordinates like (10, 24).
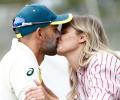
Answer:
(101, 79)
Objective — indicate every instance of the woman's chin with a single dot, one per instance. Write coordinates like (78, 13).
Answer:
(59, 51)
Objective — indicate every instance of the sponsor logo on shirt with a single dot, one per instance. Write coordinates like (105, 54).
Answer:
(30, 71)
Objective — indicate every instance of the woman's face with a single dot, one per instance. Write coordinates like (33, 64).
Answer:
(69, 41)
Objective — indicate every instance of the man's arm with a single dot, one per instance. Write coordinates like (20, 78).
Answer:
(22, 76)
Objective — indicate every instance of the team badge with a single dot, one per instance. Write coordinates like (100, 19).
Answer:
(30, 71)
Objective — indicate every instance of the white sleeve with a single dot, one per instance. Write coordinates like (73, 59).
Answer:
(22, 76)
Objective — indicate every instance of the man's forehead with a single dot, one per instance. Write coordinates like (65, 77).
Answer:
(59, 27)
(53, 26)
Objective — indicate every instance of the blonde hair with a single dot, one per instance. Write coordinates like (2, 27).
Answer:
(96, 41)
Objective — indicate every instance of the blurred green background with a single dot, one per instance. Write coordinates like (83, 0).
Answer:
(106, 10)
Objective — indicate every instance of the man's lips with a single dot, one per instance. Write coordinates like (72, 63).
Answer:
(58, 41)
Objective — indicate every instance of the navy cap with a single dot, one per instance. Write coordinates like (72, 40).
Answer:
(33, 16)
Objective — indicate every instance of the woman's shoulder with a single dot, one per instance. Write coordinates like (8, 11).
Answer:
(100, 57)
(103, 57)
(104, 61)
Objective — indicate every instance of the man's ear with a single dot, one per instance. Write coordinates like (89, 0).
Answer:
(38, 33)
(82, 38)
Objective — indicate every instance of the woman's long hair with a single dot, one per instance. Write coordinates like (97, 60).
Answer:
(97, 41)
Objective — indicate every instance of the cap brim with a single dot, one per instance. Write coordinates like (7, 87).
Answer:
(62, 19)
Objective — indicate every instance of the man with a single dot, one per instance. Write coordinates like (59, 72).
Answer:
(37, 34)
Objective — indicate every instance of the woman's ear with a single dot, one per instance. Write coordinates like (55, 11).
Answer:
(82, 38)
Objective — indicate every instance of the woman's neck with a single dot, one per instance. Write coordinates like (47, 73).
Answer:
(73, 58)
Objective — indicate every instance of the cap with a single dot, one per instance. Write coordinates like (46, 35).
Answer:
(33, 16)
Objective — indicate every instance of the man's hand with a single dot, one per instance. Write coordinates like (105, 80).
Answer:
(41, 92)
(36, 93)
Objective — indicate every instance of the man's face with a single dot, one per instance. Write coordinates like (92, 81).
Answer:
(50, 40)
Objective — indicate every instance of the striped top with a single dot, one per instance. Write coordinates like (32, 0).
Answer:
(101, 79)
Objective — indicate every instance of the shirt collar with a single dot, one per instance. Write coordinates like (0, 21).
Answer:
(16, 44)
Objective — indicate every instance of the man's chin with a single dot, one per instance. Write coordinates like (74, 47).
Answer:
(51, 53)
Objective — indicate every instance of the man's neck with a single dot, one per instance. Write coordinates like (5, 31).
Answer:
(35, 49)
(39, 56)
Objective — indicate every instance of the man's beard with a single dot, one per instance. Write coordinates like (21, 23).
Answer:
(51, 52)
(51, 49)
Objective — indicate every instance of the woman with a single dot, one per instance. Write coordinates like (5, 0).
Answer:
(94, 69)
